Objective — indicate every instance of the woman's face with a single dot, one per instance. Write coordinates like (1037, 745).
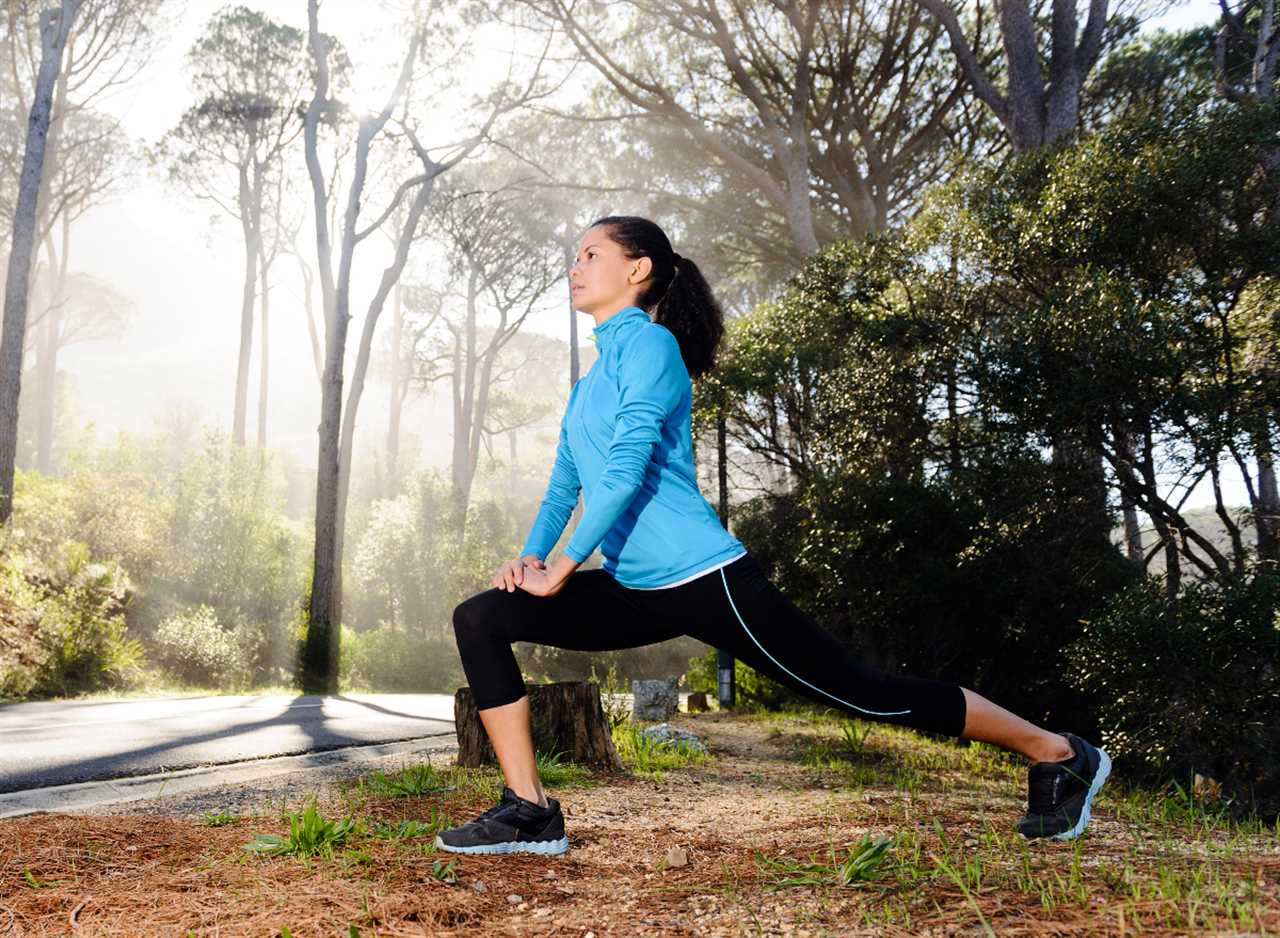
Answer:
(603, 279)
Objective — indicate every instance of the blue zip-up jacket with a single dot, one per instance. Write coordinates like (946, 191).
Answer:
(626, 442)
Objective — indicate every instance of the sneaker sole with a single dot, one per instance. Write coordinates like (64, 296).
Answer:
(1104, 769)
(544, 847)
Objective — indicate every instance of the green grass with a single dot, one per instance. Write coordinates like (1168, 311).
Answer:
(649, 757)
(217, 819)
(309, 835)
(412, 781)
(409, 829)
(862, 862)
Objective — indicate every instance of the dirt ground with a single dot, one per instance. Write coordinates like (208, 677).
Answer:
(780, 792)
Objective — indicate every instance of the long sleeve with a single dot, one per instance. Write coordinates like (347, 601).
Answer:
(651, 377)
(559, 500)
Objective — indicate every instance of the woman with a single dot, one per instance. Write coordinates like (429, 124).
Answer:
(670, 568)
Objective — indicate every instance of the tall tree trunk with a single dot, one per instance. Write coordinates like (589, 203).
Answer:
(250, 209)
(575, 366)
(1132, 530)
(1266, 517)
(55, 25)
(396, 402)
(308, 291)
(468, 413)
(390, 276)
(264, 368)
(46, 368)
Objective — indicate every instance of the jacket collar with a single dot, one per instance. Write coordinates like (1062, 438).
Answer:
(604, 334)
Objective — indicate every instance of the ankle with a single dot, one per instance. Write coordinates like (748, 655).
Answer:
(536, 795)
(1054, 747)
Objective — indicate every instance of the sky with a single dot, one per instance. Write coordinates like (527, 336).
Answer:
(180, 260)
(181, 264)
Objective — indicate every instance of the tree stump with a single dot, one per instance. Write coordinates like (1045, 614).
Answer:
(565, 718)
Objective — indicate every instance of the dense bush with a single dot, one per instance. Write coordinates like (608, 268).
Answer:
(62, 630)
(194, 527)
(1190, 684)
(394, 659)
(194, 647)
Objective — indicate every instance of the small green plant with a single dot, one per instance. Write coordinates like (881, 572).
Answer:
(445, 872)
(556, 773)
(415, 780)
(612, 695)
(218, 819)
(409, 830)
(309, 835)
(861, 863)
(855, 737)
(650, 757)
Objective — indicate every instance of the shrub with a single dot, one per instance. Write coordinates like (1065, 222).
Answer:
(394, 659)
(1190, 684)
(194, 647)
(753, 689)
(64, 631)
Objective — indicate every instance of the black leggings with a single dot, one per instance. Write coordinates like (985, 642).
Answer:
(735, 608)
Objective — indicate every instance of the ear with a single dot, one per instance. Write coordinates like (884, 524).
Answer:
(640, 270)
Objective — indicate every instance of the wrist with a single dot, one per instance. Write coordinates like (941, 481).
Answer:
(562, 568)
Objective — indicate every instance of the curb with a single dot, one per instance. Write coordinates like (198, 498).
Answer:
(84, 795)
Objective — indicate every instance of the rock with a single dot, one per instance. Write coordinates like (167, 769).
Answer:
(697, 702)
(677, 856)
(515, 898)
(479, 886)
(655, 700)
(666, 733)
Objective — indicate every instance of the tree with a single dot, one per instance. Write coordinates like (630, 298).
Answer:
(832, 116)
(249, 74)
(1033, 111)
(1122, 271)
(86, 152)
(337, 426)
(55, 27)
(1246, 50)
(501, 269)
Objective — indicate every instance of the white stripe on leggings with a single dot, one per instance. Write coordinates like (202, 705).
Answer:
(874, 713)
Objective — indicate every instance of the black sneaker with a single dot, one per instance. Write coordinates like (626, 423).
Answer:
(1059, 794)
(513, 825)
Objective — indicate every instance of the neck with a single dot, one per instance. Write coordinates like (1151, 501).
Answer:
(608, 313)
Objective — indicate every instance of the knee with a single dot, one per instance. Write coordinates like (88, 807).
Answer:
(472, 619)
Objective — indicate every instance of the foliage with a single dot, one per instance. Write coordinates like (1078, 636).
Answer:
(193, 646)
(1190, 684)
(650, 757)
(862, 862)
(393, 659)
(752, 690)
(63, 631)
(310, 834)
(415, 780)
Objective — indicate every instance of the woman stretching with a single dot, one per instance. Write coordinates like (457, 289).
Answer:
(670, 568)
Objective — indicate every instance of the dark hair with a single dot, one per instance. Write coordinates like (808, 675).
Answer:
(677, 294)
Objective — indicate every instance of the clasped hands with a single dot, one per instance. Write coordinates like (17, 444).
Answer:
(533, 576)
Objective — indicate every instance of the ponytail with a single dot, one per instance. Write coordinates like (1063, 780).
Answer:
(677, 295)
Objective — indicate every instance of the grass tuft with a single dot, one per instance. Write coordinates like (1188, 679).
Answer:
(650, 757)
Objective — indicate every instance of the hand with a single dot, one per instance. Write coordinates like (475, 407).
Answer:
(542, 582)
(511, 574)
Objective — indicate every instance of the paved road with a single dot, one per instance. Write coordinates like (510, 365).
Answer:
(57, 743)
